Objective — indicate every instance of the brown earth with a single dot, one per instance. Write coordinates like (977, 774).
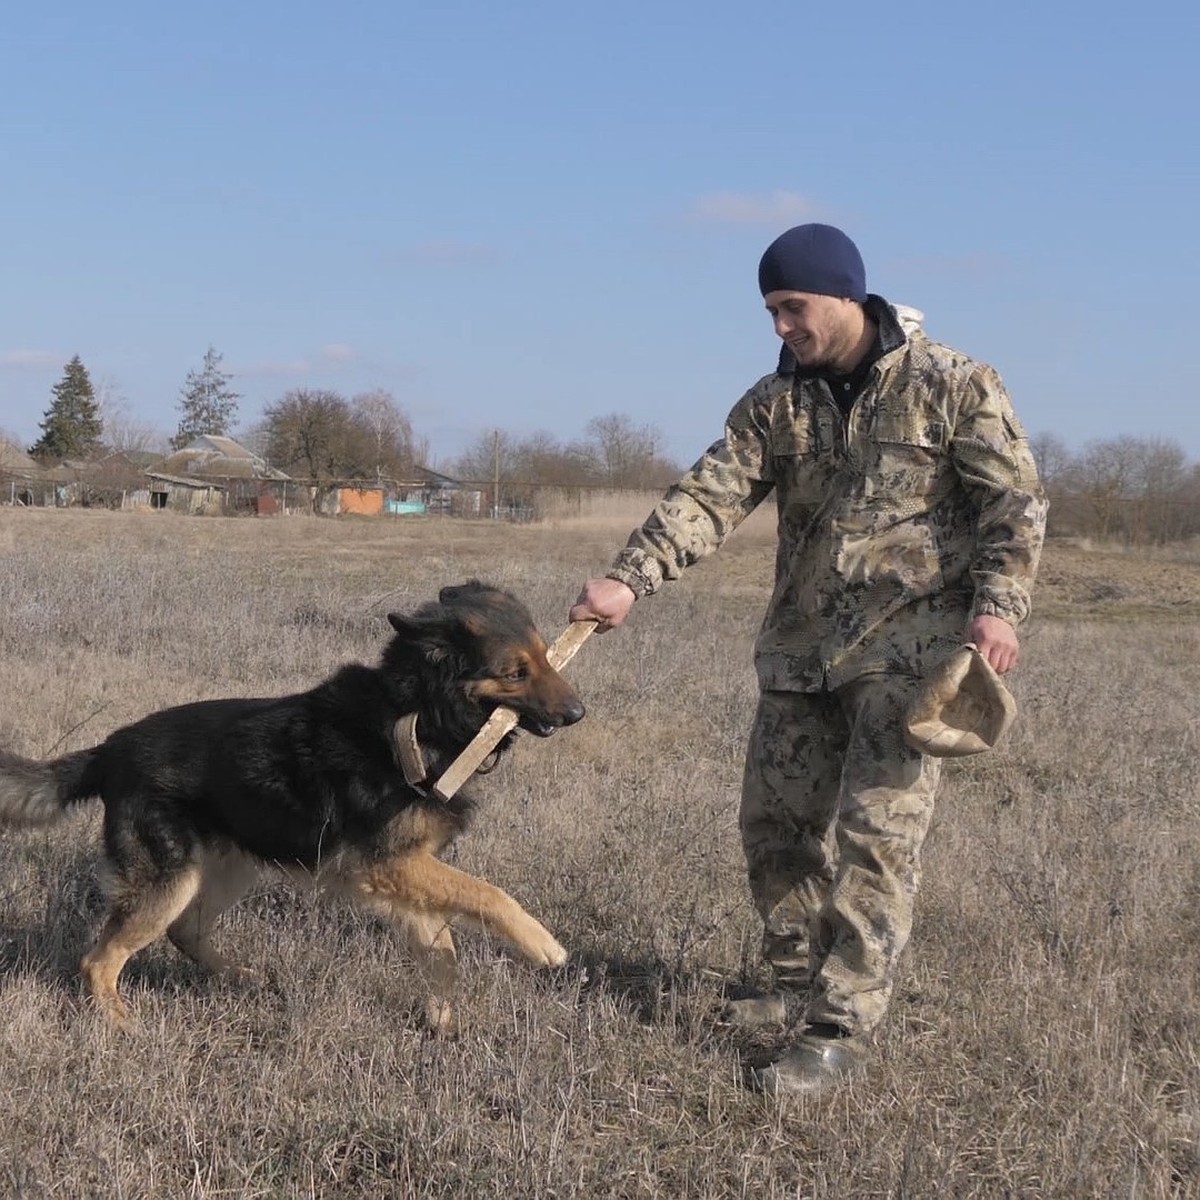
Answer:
(1117, 583)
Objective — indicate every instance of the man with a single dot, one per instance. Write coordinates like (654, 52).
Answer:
(910, 519)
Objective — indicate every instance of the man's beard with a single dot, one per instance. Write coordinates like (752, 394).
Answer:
(821, 365)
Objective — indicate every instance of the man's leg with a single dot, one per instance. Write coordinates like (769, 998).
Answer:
(789, 798)
(884, 811)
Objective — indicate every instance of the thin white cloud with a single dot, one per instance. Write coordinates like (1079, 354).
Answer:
(28, 358)
(289, 368)
(328, 354)
(447, 251)
(775, 209)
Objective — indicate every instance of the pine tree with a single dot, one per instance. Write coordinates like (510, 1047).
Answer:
(207, 404)
(72, 426)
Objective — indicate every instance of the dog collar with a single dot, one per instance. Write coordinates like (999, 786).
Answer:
(412, 758)
(409, 752)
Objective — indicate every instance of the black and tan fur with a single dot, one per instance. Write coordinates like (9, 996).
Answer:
(200, 798)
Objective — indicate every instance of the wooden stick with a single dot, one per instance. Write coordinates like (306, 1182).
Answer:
(504, 720)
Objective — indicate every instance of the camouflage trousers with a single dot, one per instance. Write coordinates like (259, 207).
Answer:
(835, 808)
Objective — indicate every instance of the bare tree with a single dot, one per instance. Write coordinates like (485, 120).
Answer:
(628, 455)
(1105, 473)
(257, 439)
(1159, 491)
(615, 453)
(123, 431)
(1054, 460)
(1190, 494)
(388, 434)
(1137, 489)
(490, 454)
(542, 459)
(309, 434)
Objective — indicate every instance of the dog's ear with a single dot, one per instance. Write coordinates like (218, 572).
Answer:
(402, 624)
(459, 599)
(448, 595)
(429, 635)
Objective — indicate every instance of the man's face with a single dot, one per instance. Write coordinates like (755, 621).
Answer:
(821, 331)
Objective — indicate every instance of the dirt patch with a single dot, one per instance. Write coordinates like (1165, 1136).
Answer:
(1075, 580)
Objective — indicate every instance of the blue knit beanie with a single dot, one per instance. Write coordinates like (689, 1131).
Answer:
(813, 258)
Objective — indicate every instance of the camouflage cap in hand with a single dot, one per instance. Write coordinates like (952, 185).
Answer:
(961, 708)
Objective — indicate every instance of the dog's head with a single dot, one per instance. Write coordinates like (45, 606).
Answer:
(477, 649)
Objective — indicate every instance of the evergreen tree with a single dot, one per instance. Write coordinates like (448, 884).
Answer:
(72, 426)
(207, 403)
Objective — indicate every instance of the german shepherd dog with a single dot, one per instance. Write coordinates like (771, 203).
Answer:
(199, 798)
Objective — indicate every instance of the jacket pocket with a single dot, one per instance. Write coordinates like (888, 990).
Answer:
(907, 455)
(899, 559)
(796, 450)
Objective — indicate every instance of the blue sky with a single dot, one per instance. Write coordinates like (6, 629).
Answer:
(525, 216)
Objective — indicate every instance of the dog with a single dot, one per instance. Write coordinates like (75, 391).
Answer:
(199, 799)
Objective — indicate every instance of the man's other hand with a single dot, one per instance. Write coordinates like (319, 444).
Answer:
(997, 642)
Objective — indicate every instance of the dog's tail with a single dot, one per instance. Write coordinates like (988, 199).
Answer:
(38, 793)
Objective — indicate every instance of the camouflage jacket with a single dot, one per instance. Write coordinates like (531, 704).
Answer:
(896, 524)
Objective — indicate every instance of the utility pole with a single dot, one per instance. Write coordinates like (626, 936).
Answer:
(496, 475)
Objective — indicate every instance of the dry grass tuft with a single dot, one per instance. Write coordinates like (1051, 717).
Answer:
(1044, 1037)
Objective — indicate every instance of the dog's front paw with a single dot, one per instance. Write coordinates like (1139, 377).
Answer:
(548, 952)
(439, 1016)
(114, 1012)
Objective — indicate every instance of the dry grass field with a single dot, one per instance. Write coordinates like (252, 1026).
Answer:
(1045, 1038)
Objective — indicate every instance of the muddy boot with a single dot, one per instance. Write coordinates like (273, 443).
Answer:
(817, 1062)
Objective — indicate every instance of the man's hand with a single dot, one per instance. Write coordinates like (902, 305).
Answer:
(605, 600)
(997, 642)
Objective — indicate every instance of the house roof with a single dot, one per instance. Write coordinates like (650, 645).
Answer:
(218, 457)
(429, 475)
(179, 481)
(14, 461)
(219, 444)
(140, 458)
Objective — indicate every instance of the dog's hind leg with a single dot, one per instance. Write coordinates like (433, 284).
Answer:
(225, 879)
(431, 942)
(137, 916)
(420, 883)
